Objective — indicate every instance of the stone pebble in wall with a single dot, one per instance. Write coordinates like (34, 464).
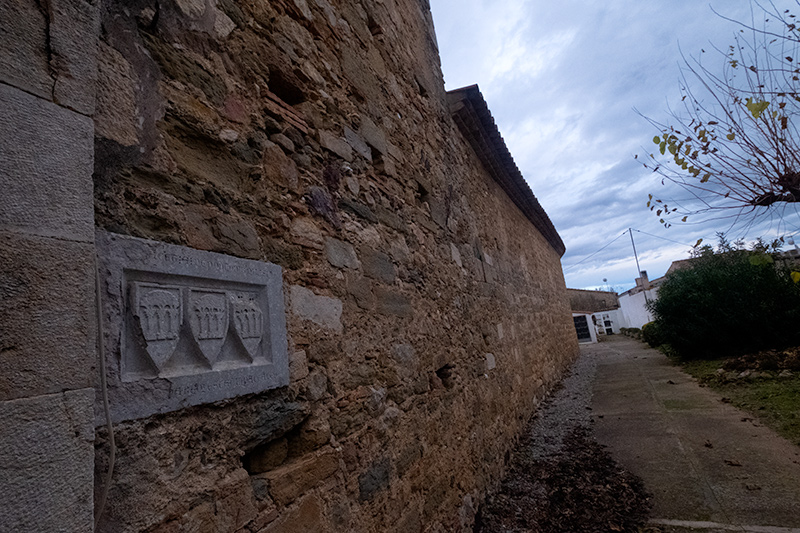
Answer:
(341, 254)
(321, 310)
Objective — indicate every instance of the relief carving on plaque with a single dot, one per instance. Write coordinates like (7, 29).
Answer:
(220, 325)
(248, 322)
(158, 313)
(208, 320)
(186, 327)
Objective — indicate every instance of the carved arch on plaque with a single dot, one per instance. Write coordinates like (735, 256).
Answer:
(158, 314)
(248, 322)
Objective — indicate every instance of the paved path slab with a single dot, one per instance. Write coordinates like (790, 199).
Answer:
(710, 466)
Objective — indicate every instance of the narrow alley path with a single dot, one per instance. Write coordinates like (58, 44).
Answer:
(709, 466)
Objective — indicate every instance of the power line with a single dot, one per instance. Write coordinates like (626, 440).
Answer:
(662, 238)
(597, 252)
(613, 241)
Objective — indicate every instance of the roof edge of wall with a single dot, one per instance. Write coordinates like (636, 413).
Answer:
(473, 118)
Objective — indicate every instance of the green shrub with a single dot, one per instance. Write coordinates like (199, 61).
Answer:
(728, 303)
(652, 335)
(630, 332)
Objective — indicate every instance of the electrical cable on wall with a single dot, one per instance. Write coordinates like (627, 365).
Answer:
(112, 453)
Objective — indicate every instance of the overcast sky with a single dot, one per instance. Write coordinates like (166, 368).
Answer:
(562, 79)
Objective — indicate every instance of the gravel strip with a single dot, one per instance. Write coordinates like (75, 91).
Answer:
(564, 410)
(560, 478)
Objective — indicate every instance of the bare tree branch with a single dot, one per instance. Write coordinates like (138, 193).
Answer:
(735, 142)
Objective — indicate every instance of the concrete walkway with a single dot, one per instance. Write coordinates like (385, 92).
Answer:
(709, 466)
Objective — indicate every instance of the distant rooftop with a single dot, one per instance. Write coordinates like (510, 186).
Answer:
(472, 116)
(589, 302)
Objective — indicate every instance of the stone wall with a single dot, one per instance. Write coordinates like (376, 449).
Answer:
(426, 314)
(584, 301)
(47, 324)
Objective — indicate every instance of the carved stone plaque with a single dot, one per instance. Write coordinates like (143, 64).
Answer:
(184, 327)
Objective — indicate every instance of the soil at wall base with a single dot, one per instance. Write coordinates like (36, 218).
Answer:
(560, 478)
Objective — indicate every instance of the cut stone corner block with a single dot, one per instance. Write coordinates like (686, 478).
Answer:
(184, 327)
(46, 457)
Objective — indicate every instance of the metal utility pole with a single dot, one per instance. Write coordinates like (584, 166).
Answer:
(638, 268)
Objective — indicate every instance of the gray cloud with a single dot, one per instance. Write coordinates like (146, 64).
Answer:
(562, 80)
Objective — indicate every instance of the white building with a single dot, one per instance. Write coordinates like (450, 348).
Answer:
(595, 313)
(633, 302)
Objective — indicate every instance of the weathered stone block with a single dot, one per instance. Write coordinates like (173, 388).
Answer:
(47, 463)
(374, 135)
(265, 517)
(322, 203)
(386, 165)
(390, 218)
(47, 336)
(358, 209)
(375, 479)
(392, 303)
(317, 385)
(46, 157)
(23, 49)
(185, 327)
(396, 153)
(406, 359)
(304, 518)
(358, 144)
(298, 365)
(377, 265)
(456, 255)
(399, 250)
(305, 233)
(273, 418)
(223, 25)
(336, 144)
(489, 273)
(115, 113)
(74, 27)
(234, 506)
(284, 141)
(51, 51)
(352, 185)
(278, 167)
(363, 79)
(438, 212)
(237, 237)
(313, 434)
(341, 254)
(322, 310)
(291, 481)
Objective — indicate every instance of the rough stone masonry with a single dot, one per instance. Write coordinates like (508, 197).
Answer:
(425, 308)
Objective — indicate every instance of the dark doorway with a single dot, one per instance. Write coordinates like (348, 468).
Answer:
(582, 328)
